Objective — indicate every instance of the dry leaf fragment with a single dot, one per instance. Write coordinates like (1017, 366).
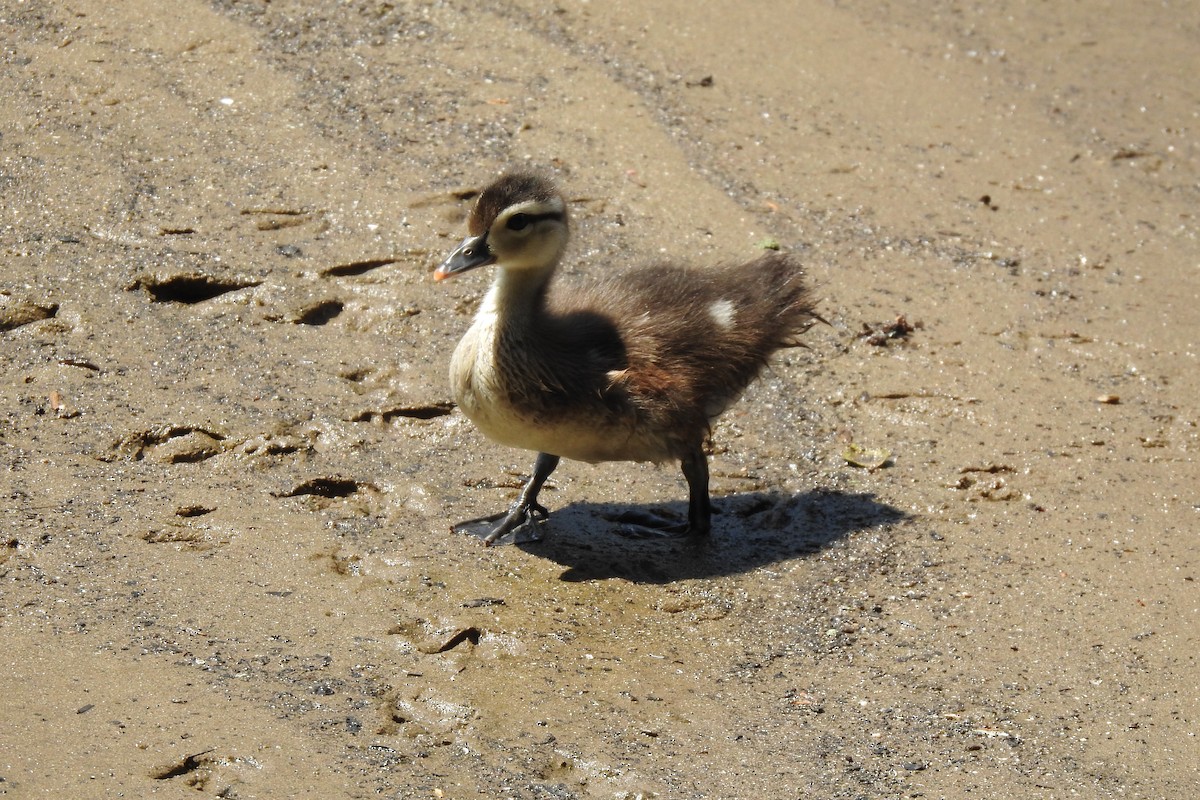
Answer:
(866, 457)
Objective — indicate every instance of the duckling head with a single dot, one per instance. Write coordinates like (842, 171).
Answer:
(518, 223)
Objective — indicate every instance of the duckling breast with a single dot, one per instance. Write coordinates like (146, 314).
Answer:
(511, 400)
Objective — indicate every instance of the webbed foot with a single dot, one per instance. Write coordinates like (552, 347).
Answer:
(522, 522)
(635, 524)
(519, 525)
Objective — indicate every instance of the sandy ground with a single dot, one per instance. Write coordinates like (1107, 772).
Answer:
(229, 455)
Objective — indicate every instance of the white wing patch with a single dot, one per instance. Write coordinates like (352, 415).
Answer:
(723, 313)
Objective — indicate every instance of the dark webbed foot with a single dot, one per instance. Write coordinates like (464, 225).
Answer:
(648, 524)
(636, 524)
(524, 519)
(519, 525)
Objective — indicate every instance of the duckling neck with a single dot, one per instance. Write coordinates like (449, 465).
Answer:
(517, 295)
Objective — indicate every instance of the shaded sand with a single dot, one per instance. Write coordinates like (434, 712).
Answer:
(229, 456)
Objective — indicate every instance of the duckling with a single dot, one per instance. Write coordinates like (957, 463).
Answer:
(635, 366)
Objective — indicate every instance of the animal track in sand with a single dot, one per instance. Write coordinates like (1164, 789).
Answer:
(188, 287)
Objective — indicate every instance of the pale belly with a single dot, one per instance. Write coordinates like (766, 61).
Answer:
(580, 436)
(575, 438)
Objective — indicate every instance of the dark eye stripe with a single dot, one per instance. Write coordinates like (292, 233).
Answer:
(519, 221)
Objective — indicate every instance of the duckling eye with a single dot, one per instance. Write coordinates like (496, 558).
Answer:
(517, 222)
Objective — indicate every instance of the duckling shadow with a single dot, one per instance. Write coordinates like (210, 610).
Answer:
(751, 530)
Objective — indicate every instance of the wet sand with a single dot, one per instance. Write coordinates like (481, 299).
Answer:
(230, 456)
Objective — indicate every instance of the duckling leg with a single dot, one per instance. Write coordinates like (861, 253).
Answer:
(639, 524)
(526, 509)
(695, 472)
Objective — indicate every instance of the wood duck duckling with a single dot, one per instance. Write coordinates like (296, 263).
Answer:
(635, 366)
